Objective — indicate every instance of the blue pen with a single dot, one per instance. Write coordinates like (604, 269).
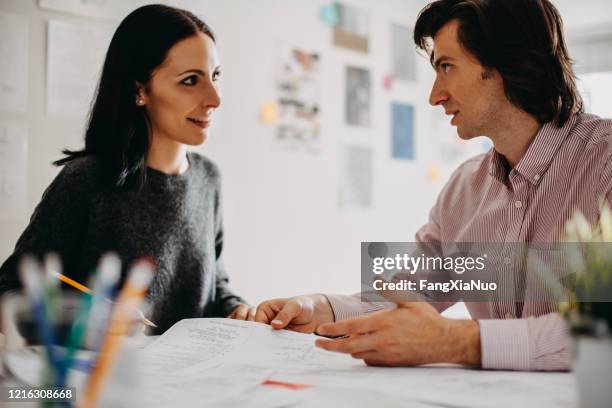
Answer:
(32, 279)
(109, 271)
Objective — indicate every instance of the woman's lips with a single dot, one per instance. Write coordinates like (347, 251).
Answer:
(201, 123)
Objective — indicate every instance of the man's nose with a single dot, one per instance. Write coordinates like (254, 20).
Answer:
(438, 94)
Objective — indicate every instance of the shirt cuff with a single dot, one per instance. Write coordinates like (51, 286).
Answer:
(504, 344)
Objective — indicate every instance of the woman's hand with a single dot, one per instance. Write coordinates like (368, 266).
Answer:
(243, 312)
(301, 313)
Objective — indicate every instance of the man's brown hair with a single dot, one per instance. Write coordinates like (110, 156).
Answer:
(522, 40)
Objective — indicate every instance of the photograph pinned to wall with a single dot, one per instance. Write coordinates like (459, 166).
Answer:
(101, 9)
(268, 113)
(358, 97)
(355, 189)
(75, 54)
(387, 82)
(13, 171)
(433, 173)
(14, 46)
(352, 30)
(402, 123)
(403, 53)
(298, 106)
(328, 14)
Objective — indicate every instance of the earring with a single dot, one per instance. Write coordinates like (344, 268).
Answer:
(139, 101)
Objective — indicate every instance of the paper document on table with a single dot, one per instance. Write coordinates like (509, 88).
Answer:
(194, 344)
(229, 354)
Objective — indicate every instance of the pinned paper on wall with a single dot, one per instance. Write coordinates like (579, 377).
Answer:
(14, 46)
(388, 82)
(328, 14)
(269, 113)
(13, 171)
(352, 30)
(402, 122)
(75, 54)
(403, 53)
(433, 173)
(356, 181)
(105, 9)
(298, 112)
(358, 91)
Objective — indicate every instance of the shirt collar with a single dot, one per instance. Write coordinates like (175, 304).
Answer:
(539, 155)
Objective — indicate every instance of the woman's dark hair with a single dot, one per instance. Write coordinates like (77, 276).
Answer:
(522, 40)
(118, 130)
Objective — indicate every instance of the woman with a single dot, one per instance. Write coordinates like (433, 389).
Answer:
(134, 189)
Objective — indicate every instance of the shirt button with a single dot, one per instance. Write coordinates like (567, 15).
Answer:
(518, 204)
(507, 261)
(536, 177)
(509, 315)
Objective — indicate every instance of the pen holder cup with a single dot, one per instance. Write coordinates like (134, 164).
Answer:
(20, 327)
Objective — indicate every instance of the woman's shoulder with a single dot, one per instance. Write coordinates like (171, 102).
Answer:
(204, 166)
(81, 172)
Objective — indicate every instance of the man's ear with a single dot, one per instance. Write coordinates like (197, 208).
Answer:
(487, 73)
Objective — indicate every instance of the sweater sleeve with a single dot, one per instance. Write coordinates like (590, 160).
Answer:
(57, 225)
(225, 300)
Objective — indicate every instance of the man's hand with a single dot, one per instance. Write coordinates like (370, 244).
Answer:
(243, 312)
(412, 334)
(301, 313)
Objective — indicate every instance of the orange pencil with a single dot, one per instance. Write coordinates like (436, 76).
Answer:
(85, 289)
(130, 298)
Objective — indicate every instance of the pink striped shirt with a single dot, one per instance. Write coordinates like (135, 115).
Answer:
(564, 170)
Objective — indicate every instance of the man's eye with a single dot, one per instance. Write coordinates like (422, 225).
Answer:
(190, 80)
(445, 67)
(216, 75)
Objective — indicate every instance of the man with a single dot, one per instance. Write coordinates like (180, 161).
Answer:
(503, 71)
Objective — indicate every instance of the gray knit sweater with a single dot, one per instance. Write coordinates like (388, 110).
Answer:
(175, 220)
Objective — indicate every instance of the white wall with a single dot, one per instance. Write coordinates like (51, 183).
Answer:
(285, 232)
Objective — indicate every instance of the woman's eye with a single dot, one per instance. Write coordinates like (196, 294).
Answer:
(190, 80)
(216, 75)
(445, 67)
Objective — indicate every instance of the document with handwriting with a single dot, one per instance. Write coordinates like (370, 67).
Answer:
(194, 344)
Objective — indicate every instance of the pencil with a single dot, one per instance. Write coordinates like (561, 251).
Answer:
(85, 289)
(131, 295)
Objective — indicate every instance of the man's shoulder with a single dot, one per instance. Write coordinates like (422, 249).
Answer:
(594, 130)
(474, 167)
(469, 176)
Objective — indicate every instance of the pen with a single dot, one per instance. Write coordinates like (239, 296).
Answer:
(32, 280)
(107, 277)
(130, 297)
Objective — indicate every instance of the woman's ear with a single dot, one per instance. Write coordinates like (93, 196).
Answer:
(140, 94)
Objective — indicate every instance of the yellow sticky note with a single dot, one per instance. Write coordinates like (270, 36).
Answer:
(434, 173)
(269, 113)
